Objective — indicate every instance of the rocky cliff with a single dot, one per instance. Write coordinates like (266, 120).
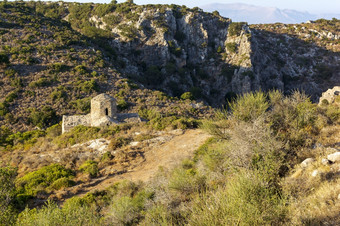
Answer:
(178, 49)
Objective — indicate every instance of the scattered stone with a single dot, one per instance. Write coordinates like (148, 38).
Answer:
(335, 157)
(135, 143)
(307, 162)
(325, 162)
(315, 173)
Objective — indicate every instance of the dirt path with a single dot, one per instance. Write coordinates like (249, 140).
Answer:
(166, 155)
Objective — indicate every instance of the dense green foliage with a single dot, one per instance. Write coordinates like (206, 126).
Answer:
(42, 179)
(235, 28)
(90, 167)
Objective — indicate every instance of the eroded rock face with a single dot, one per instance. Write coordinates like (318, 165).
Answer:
(208, 53)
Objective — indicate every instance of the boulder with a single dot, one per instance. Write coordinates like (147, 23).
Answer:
(335, 157)
(307, 162)
(315, 173)
(325, 162)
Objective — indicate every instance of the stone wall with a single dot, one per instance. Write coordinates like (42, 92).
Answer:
(70, 122)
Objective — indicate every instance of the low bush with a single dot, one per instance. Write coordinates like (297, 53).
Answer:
(4, 59)
(118, 142)
(90, 167)
(42, 179)
(187, 96)
(71, 214)
(122, 105)
(42, 82)
(44, 117)
(245, 200)
(77, 135)
(235, 28)
(231, 47)
(83, 105)
(249, 106)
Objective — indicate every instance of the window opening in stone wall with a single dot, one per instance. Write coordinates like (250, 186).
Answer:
(106, 111)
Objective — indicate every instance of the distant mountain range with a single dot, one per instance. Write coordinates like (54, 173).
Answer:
(259, 14)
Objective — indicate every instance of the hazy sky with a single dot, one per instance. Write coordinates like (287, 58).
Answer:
(312, 6)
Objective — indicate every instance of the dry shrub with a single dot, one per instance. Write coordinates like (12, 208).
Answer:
(245, 200)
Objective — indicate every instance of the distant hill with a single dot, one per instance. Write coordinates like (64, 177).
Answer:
(259, 14)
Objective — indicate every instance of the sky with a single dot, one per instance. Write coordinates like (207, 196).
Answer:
(312, 6)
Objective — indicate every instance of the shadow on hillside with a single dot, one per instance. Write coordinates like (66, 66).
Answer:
(300, 65)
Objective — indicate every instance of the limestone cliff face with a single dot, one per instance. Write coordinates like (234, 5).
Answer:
(214, 58)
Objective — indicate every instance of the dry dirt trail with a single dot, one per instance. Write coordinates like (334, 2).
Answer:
(166, 154)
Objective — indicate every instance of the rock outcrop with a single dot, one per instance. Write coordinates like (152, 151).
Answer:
(215, 58)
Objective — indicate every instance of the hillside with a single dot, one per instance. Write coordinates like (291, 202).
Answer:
(60, 54)
(232, 131)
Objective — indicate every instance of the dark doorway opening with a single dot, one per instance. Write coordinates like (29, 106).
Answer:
(106, 111)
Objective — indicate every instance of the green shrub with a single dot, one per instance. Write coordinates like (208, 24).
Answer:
(11, 97)
(80, 69)
(118, 142)
(57, 67)
(90, 167)
(128, 31)
(3, 108)
(26, 138)
(186, 181)
(122, 105)
(71, 214)
(59, 94)
(249, 106)
(61, 183)
(77, 135)
(5, 136)
(17, 82)
(235, 28)
(42, 82)
(83, 105)
(41, 179)
(245, 200)
(158, 215)
(127, 209)
(4, 60)
(88, 86)
(107, 156)
(44, 117)
(10, 73)
(231, 47)
(187, 96)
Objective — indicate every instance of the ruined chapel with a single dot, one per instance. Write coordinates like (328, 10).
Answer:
(103, 113)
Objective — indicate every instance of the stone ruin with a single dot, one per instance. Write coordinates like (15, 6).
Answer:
(103, 113)
(330, 95)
